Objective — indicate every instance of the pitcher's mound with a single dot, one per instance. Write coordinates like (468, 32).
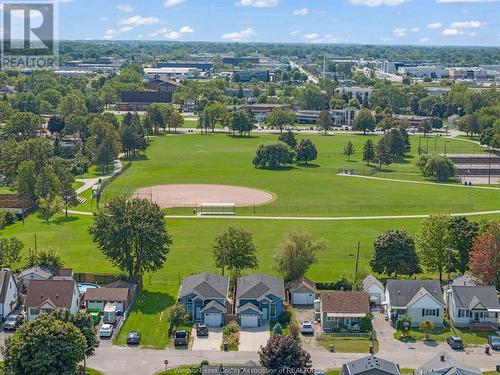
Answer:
(168, 196)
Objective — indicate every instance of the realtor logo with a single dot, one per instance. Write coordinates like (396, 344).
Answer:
(29, 35)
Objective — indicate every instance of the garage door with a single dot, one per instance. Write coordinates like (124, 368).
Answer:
(249, 320)
(302, 298)
(213, 319)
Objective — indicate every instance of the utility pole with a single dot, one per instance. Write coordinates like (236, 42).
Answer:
(357, 263)
(489, 167)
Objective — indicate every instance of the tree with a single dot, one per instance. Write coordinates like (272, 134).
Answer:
(25, 182)
(433, 244)
(325, 120)
(277, 330)
(72, 105)
(438, 167)
(427, 327)
(368, 152)
(284, 355)
(484, 260)
(177, 316)
(363, 121)
(296, 254)
(394, 253)
(50, 206)
(66, 180)
(56, 124)
(462, 234)
(397, 142)
(273, 155)
(23, 126)
(214, 113)
(349, 150)
(10, 250)
(49, 259)
(44, 346)
(47, 185)
(383, 152)
(176, 120)
(132, 234)
(470, 124)
(280, 119)
(242, 122)
(288, 138)
(234, 250)
(306, 151)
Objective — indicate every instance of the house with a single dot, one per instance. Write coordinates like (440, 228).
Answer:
(302, 291)
(259, 299)
(374, 288)
(473, 306)
(261, 111)
(418, 299)
(444, 364)
(9, 292)
(339, 308)
(19, 207)
(204, 296)
(97, 298)
(45, 296)
(141, 100)
(163, 86)
(33, 273)
(248, 368)
(370, 365)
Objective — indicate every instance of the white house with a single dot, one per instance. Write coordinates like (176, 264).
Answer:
(374, 288)
(470, 306)
(34, 273)
(8, 292)
(45, 296)
(418, 299)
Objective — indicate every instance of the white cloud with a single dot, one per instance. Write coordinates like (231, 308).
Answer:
(240, 35)
(423, 40)
(466, 25)
(312, 37)
(376, 3)
(301, 12)
(139, 21)
(125, 8)
(172, 34)
(295, 32)
(186, 30)
(436, 25)
(259, 3)
(172, 3)
(415, 29)
(473, 33)
(110, 34)
(451, 32)
(466, 1)
(400, 31)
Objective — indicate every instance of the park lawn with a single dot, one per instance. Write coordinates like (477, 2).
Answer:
(96, 171)
(305, 191)
(348, 344)
(469, 338)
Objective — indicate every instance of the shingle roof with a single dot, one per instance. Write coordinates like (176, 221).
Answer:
(469, 296)
(297, 283)
(371, 280)
(255, 286)
(106, 294)
(249, 306)
(444, 364)
(346, 302)
(401, 292)
(120, 284)
(370, 363)
(59, 292)
(206, 285)
(5, 275)
(38, 270)
(214, 306)
(146, 97)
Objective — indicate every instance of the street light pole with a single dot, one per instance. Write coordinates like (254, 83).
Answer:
(489, 167)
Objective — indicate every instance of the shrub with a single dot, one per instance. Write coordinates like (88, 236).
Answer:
(342, 284)
(285, 317)
(277, 330)
(294, 329)
(365, 324)
(400, 324)
(204, 363)
(231, 327)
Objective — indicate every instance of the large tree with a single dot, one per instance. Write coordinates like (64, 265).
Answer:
(234, 250)
(10, 250)
(284, 355)
(242, 122)
(288, 138)
(44, 346)
(306, 151)
(273, 155)
(363, 121)
(49, 259)
(462, 233)
(394, 253)
(369, 152)
(383, 152)
(325, 120)
(484, 260)
(296, 254)
(438, 167)
(26, 180)
(280, 119)
(132, 235)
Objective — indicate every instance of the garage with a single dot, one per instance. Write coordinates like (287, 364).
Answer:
(249, 320)
(302, 298)
(213, 319)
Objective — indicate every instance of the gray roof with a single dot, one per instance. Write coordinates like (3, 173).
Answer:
(368, 364)
(255, 286)
(444, 364)
(214, 307)
(206, 285)
(462, 280)
(469, 296)
(371, 280)
(249, 306)
(402, 292)
(42, 272)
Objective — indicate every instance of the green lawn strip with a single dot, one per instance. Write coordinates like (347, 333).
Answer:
(77, 184)
(96, 171)
(441, 334)
(348, 344)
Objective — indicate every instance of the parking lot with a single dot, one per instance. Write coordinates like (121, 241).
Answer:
(211, 342)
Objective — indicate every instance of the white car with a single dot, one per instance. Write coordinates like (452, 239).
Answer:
(307, 328)
(106, 330)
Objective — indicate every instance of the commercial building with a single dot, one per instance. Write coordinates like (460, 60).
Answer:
(202, 66)
(424, 71)
(355, 91)
(251, 74)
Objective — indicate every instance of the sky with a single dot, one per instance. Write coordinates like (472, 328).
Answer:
(415, 22)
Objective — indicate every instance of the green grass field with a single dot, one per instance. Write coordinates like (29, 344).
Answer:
(470, 338)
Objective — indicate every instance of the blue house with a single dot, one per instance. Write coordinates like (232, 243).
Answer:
(204, 296)
(259, 300)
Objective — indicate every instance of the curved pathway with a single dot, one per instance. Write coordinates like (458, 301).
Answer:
(89, 182)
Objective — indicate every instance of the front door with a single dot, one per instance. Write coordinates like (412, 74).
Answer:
(264, 314)
(197, 314)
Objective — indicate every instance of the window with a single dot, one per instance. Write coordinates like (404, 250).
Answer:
(463, 313)
(430, 312)
(330, 319)
(273, 309)
(34, 311)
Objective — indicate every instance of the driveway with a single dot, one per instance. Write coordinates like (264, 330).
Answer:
(251, 339)
(211, 342)
(309, 342)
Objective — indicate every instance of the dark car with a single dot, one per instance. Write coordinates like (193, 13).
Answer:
(134, 338)
(494, 342)
(181, 338)
(455, 342)
(12, 322)
(201, 329)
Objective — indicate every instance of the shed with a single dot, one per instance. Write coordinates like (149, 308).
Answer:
(302, 291)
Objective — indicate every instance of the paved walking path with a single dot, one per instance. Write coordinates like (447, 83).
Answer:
(89, 182)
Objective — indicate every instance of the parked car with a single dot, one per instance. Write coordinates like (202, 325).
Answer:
(201, 329)
(455, 342)
(12, 322)
(307, 328)
(106, 330)
(134, 338)
(494, 342)
(181, 338)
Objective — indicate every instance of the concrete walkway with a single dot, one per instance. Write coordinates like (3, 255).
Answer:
(89, 182)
